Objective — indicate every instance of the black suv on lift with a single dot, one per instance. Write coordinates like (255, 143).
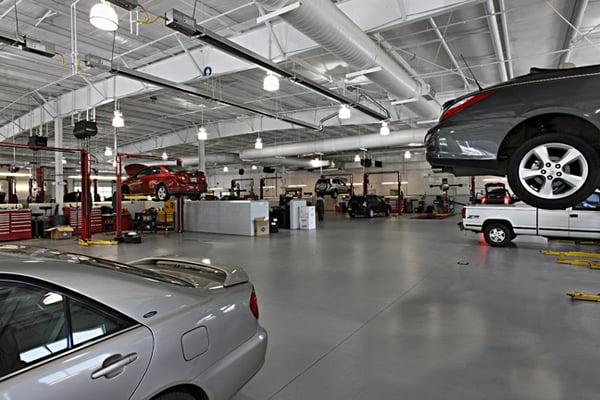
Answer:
(542, 130)
(368, 206)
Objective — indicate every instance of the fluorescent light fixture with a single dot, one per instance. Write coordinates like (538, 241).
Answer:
(95, 177)
(356, 158)
(495, 179)
(215, 189)
(268, 187)
(226, 169)
(202, 134)
(344, 112)
(108, 152)
(104, 17)
(394, 183)
(258, 144)
(407, 154)
(16, 174)
(427, 122)
(385, 129)
(271, 82)
(415, 144)
(297, 186)
(254, 167)
(405, 101)
(118, 121)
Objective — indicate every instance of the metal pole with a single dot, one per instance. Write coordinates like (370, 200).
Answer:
(179, 210)
(117, 202)
(59, 190)
(86, 204)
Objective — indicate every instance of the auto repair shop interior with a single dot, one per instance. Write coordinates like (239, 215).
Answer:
(314, 199)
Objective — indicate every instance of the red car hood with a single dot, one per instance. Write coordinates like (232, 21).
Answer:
(133, 169)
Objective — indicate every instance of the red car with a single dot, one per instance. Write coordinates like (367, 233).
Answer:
(163, 181)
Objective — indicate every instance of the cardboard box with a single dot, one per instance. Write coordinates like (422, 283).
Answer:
(60, 232)
(261, 226)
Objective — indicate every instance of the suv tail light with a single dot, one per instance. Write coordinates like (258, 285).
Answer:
(506, 199)
(254, 303)
(484, 200)
(464, 104)
(181, 178)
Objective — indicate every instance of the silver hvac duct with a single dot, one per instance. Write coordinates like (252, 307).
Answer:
(230, 158)
(323, 22)
(371, 141)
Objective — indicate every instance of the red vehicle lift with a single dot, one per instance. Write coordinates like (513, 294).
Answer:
(118, 195)
(86, 164)
(400, 208)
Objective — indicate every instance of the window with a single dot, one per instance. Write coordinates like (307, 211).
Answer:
(88, 324)
(144, 172)
(592, 203)
(34, 325)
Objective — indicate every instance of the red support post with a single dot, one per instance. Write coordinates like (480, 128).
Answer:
(117, 201)
(179, 207)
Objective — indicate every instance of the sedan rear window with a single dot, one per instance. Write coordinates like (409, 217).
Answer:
(175, 168)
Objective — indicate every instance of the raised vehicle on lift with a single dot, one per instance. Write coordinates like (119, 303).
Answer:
(501, 224)
(163, 181)
(542, 130)
(75, 326)
(368, 206)
(331, 186)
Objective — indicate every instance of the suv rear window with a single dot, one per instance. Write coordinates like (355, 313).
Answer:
(322, 181)
(53, 255)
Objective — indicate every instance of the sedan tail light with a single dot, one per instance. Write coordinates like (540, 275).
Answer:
(254, 303)
(484, 200)
(464, 104)
(506, 199)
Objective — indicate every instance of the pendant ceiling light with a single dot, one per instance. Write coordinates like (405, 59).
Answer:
(259, 144)
(315, 163)
(118, 121)
(254, 167)
(202, 134)
(385, 129)
(64, 161)
(226, 169)
(344, 112)
(164, 155)
(271, 82)
(357, 158)
(407, 154)
(108, 152)
(104, 17)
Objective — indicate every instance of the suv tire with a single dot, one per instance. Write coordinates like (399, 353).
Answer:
(545, 185)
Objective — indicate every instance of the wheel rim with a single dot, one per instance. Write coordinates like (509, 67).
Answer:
(162, 192)
(497, 235)
(553, 171)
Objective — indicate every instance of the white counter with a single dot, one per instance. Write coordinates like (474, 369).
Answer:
(228, 217)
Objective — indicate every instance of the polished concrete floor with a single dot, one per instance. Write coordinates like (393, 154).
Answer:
(406, 309)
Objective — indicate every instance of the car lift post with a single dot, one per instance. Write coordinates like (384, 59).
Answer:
(262, 185)
(238, 191)
(118, 193)
(86, 205)
(342, 175)
(39, 180)
(400, 196)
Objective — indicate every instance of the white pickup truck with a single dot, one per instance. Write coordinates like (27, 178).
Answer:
(501, 224)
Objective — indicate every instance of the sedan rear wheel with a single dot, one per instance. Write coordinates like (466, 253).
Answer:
(554, 171)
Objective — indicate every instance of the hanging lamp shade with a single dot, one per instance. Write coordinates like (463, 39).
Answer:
(104, 17)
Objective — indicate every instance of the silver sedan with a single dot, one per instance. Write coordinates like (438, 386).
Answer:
(75, 327)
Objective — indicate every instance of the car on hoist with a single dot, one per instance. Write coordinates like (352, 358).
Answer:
(163, 181)
(541, 130)
(74, 327)
(368, 206)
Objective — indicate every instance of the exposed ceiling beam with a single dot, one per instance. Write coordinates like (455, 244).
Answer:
(449, 52)
(490, 9)
(576, 20)
(179, 68)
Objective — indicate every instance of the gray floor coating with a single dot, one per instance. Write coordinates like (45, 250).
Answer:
(381, 309)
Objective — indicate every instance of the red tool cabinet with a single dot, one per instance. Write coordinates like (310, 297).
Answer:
(15, 225)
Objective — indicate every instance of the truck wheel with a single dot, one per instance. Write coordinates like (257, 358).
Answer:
(498, 234)
(554, 171)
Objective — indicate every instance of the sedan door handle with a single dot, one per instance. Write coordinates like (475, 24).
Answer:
(573, 215)
(114, 365)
